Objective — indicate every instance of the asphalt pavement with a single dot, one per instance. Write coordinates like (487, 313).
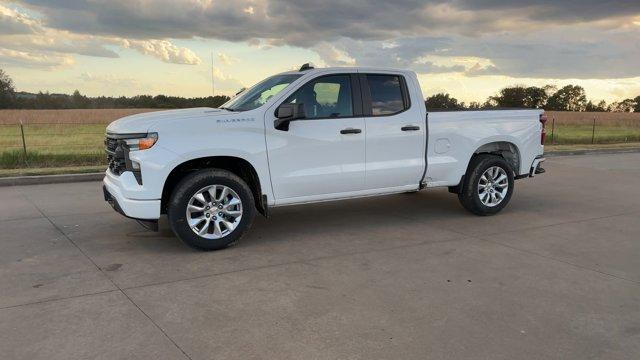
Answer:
(556, 275)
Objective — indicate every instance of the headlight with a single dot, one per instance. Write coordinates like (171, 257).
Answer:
(142, 143)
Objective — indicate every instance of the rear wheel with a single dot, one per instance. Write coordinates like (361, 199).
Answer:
(488, 185)
(211, 209)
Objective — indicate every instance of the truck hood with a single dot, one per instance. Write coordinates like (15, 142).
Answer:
(144, 122)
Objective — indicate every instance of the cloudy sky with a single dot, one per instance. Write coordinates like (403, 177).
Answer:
(469, 48)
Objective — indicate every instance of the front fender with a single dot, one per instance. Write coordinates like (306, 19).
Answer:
(244, 143)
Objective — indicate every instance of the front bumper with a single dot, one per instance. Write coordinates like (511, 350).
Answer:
(136, 209)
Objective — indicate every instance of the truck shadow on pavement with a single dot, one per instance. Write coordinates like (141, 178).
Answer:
(366, 217)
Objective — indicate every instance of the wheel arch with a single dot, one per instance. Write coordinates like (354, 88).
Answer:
(236, 165)
(505, 149)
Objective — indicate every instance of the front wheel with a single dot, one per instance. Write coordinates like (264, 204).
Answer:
(211, 209)
(488, 185)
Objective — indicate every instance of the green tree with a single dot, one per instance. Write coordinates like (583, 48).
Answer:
(568, 98)
(7, 91)
(520, 96)
(601, 106)
(626, 105)
(443, 101)
(79, 101)
(637, 107)
(474, 105)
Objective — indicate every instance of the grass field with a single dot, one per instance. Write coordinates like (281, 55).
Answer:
(577, 127)
(74, 116)
(56, 138)
(61, 138)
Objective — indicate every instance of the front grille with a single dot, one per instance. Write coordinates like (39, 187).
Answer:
(115, 150)
(110, 144)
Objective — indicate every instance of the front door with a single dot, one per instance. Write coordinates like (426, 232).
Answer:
(322, 155)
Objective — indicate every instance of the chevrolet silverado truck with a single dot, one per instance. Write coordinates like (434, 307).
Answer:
(308, 136)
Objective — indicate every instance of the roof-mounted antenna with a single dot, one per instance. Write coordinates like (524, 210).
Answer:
(307, 66)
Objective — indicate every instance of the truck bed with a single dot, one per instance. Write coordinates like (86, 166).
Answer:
(454, 136)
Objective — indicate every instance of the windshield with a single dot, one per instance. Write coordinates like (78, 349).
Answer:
(260, 93)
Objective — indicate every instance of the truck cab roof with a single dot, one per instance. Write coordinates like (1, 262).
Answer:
(354, 69)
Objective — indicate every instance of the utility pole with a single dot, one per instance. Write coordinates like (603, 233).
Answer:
(213, 88)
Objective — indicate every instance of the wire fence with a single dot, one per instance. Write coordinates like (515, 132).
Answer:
(592, 131)
(59, 143)
(51, 144)
(45, 136)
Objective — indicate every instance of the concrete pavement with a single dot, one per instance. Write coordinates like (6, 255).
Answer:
(411, 276)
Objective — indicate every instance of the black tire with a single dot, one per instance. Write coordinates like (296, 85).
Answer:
(191, 184)
(468, 194)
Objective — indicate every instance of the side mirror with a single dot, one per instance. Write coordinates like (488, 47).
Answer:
(287, 113)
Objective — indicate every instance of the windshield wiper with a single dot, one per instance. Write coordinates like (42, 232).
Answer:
(229, 109)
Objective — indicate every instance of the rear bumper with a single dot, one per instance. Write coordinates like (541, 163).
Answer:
(536, 166)
(136, 209)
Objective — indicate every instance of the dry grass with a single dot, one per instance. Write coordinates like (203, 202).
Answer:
(574, 147)
(57, 138)
(73, 116)
(565, 127)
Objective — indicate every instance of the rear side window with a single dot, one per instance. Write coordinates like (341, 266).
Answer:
(386, 94)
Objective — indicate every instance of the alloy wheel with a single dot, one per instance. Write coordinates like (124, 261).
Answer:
(493, 186)
(214, 211)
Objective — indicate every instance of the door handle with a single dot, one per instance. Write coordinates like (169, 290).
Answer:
(410, 128)
(350, 131)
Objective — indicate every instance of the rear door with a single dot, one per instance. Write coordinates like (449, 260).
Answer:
(322, 155)
(395, 132)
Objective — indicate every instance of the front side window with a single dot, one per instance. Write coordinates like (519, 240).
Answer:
(325, 97)
(386, 94)
(260, 93)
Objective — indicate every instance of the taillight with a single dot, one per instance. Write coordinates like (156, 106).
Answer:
(543, 134)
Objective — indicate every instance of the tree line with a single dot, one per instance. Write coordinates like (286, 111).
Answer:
(10, 99)
(567, 98)
(79, 101)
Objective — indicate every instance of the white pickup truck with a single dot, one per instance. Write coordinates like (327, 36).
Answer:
(307, 136)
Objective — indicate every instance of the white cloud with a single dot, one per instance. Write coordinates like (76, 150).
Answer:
(224, 83)
(109, 79)
(546, 39)
(13, 22)
(478, 70)
(333, 56)
(21, 33)
(511, 34)
(226, 59)
(28, 59)
(164, 50)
